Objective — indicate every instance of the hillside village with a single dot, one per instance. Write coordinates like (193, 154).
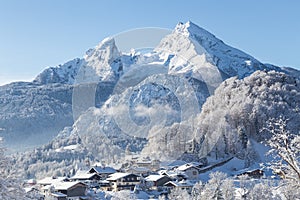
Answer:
(149, 178)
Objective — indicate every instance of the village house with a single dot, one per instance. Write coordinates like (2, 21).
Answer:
(144, 162)
(172, 165)
(148, 163)
(123, 181)
(182, 185)
(50, 180)
(156, 182)
(174, 175)
(191, 171)
(141, 171)
(73, 190)
(90, 179)
(256, 173)
(102, 171)
(84, 176)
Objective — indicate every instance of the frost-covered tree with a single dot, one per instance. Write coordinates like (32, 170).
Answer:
(197, 190)
(123, 195)
(289, 189)
(242, 106)
(243, 187)
(285, 146)
(179, 194)
(263, 190)
(10, 185)
(250, 155)
(218, 187)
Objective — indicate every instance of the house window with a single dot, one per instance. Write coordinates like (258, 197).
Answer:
(194, 173)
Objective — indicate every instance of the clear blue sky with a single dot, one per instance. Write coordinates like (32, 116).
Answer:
(36, 34)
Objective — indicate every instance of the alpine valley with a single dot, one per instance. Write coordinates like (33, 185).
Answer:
(192, 98)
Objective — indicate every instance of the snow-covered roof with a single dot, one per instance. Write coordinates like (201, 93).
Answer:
(83, 175)
(154, 177)
(182, 183)
(139, 169)
(103, 170)
(172, 173)
(31, 181)
(66, 185)
(185, 167)
(51, 180)
(195, 164)
(58, 194)
(171, 164)
(117, 176)
(29, 189)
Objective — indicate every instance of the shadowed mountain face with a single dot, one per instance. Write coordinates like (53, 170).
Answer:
(33, 113)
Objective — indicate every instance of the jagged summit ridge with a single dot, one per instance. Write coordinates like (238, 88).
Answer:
(101, 63)
(191, 29)
(194, 47)
(229, 61)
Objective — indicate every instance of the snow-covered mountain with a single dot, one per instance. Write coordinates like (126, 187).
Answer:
(190, 62)
(64, 74)
(204, 50)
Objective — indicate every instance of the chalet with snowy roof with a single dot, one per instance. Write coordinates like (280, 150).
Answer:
(191, 171)
(50, 180)
(255, 173)
(174, 175)
(103, 172)
(148, 163)
(141, 171)
(173, 165)
(156, 181)
(182, 185)
(123, 181)
(85, 177)
(73, 190)
(56, 196)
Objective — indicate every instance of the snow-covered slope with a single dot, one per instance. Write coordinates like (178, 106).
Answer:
(203, 51)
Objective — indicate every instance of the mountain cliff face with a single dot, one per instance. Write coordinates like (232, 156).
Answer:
(176, 77)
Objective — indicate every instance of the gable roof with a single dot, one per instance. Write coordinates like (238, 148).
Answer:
(180, 183)
(170, 165)
(118, 175)
(51, 180)
(58, 194)
(139, 169)
(186, 167)
(67, 185)
(154, 177)
(84, 175)
(102, 170)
